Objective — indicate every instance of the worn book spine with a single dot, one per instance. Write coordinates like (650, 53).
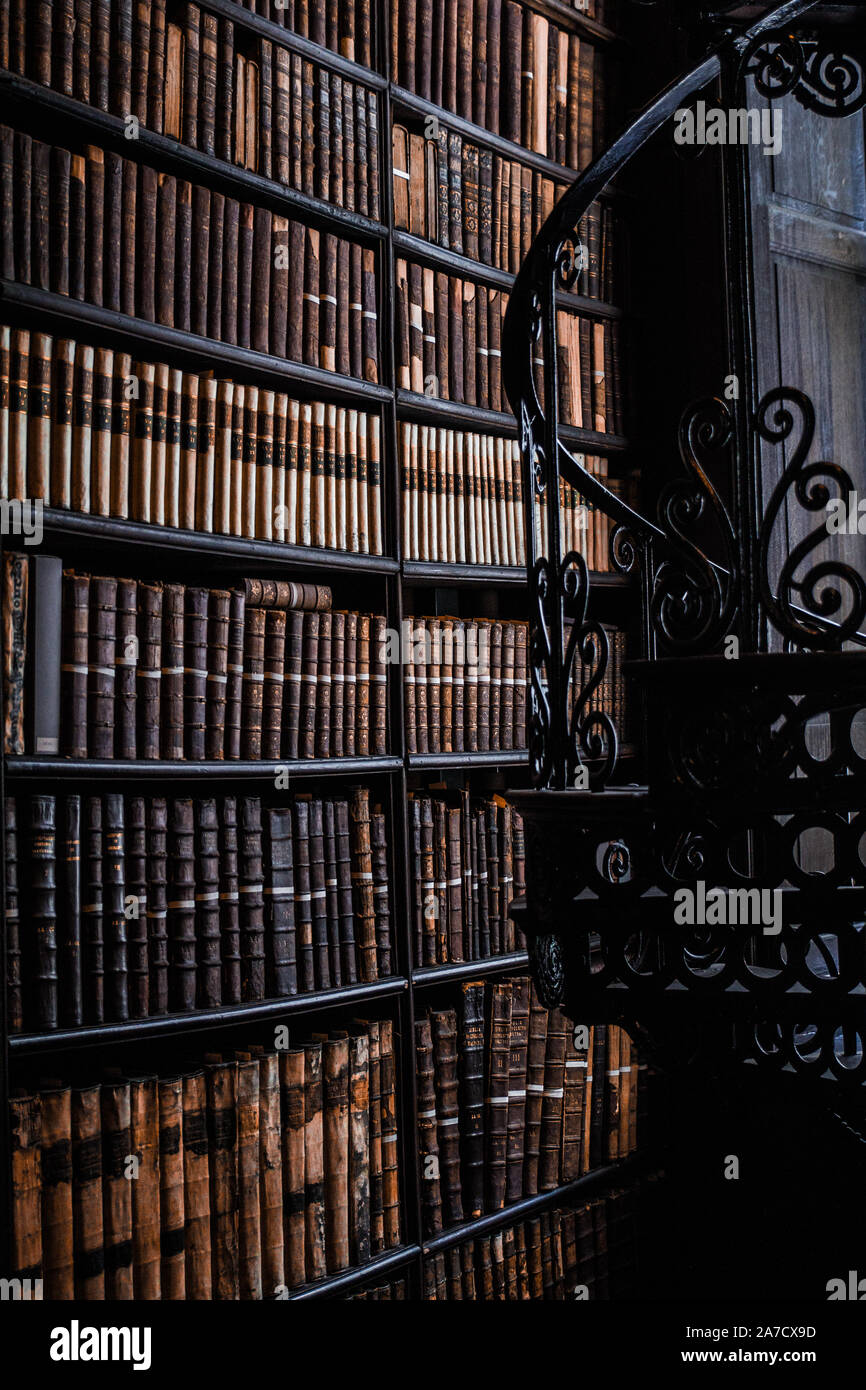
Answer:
(318, 897)
(235, 673)
(181, 905)
(362, 881)
(15, 587)
(471, 1054)
(498, 1040)
(251, 898)
(315, 1257)
(222, 1131)
(292, 1100)
(282, 975)
(249, 1203)
(428, 1142)
(135, 904)
(157, 903)
(390, 1154)
(144, 1145)
(171, 1204)
(359, 1149)
(335, 1092)
(443, 1026)
(87, 1209)
(113, 890)
(40, 958)
(125, 662)
(270, 1177)
(14, 981)
(552, 1102)
(116, 1189)
(303, 895)
(345, 894)
(207, 904)
(58, 1271)
(517, 1076)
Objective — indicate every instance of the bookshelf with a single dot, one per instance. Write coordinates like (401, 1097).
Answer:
(391, 584)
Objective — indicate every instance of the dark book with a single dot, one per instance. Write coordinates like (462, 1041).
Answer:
(87, 1208)
(251, 898)
(157, 903)
(223, 1165)
(135, 904)
(471, 1054)
(207, 904)
(282, 975)
(144, 1146)
(443, 1026)
(58, 1268)
(181, 905)
(114, 908)
(116, 1189)
(206, 1135)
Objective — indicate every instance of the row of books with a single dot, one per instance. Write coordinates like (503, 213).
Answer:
(528, 1106)
(241, 98)
(254, 1173)
(467, 199)
(583, 526)
(345, 27)
(104, 229)
(464, 685)
(612, 696)
(152, 670)
(569, 1253)
(97, 431)
(589, 373)
(462, 496)
(448, 336)
(468, 862)
(505, 67)
(124, 907)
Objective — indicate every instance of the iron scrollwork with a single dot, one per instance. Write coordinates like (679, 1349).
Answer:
(822, 78)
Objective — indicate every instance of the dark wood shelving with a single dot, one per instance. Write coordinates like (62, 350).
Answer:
(229, 1015)
(243, 18)
(441, 258)
(420, 574)
(60, 311)
(240, 552)
(438, 410)
(528, 1206)
(427, 976)
(186, 162)
(509, 757)
(155, 770)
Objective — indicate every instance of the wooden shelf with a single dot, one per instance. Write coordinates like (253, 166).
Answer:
(200, 1020)
(509, 757)
(428, 976)
(204, 354)
(164, 153)
(171, 770)
(437, 410)
(238, 552)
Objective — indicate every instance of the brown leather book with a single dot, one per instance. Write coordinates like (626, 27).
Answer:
(116, 1189)
(379, 848)
(101, 666)
(148, 670)
(207, 904)
(551, 1103)
(222, 1122)
(428, 1142)
(144, 1146)
(345, 895)
(323, 688)
(496, 1100)
(170, 1204)
(536, 1053)
(56, 1215)
(14, 987)
(314, 1170)
(229, 909)
(157, 898)
(517, 1077)
(171, 672)
(181, 905)
(332, 895)
(335, 1092)
(249, 1202)
(270, 1177)
(292, 1095)
(15, 593)
(218, 601)
(390, 1155)
(362, 881)
(303, 895)
(135, 888)
(251, 891)
(87, 1208)
(126, 652)
(318, 897)
(234, 682)
(358, 1176)
(207, 1132)
(195, 671)
(279, 904)
(113, 890)
(443, 1026)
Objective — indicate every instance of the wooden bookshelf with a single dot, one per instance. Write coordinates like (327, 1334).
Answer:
(399, 582)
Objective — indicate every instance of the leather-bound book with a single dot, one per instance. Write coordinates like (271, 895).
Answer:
(484, 926)
(345, 895)
(251, 891)
(231, 239)
(498, 1041)
(218, 602)
(443, 1027)
(157, 898)
(377, 1209)
(172, 663)
(521, 636)
(14, 983)
(453, 877)
(303, 896)
(335, 1092)
(207, 904)
(318, 896)
(15, 592)
(362, 881)
(282, 974)
(379, 856)
(181, 905)
(43, 645)
(322, 742)
(506, 875)
(135, 888)
(169, 218)
(101, 669)
(235, 672)
(170, 1203)
(471, 1054)
(337, 674)
(253, 683)
(87, 1182)
(362, 685)
(309, 671)
(114, 915)
(428, 1142)
(517, 1078)
(229, 911)
(198, 1162)
(144, 1145)
(125, 664)
(378, 718)
(222, 1129)
(246, 243)
(612, 1098)
(358, 1174)
(58, 1270)
(293, 670)
(551, 1102)
(493, 893)
(116, 1189)
(40, 962)
(332, 896)
(315, 1259)
(269, 1161)
(249, 1200)
(291, 1065)
(112, 230)
(390, 1155)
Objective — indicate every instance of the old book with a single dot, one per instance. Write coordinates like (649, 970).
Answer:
(114, 915)
(471, 1054)
(390, 1155)
(207, 904)
(314, 1172)
(144, 1145)
(14, 980)
(335, 1091)
(303, 895)
(209, 1158)
(15, 626)
(181, 905)
(235, 672)
(58, 1271)
(362, 881)
(171, 1204)
(279, 903)
(551, 1104)
(87, 1207)
(135, 899)
(428, 1143)
(221, 1078)
(249, 1208)
(345, 895)
(270, 1177)
(229, 901)
(318, 896)
(251, 890)
(171, 671)
(443, 1027)
(517, 1078)
(40, 956)
(117, 1189)
(292, 1093)
(157, 903)
(496, 1100)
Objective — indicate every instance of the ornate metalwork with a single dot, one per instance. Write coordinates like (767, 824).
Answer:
(819, 75)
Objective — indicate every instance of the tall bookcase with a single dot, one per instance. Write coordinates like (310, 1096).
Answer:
(391, 583)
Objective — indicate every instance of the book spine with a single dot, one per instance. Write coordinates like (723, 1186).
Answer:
(471, 1052)
(144, 1137)
(207, 904)
(443, 1027)
(116, 1189)
(181, 905)
(170, 1116)
(251, 891)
